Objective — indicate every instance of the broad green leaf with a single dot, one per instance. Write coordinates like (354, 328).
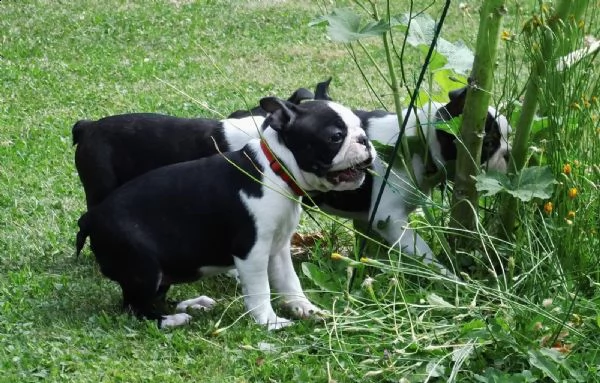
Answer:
(533, 182)
(383, 151)
(492, 183)
(346, 26)
(423, 98)
(475, 324)
(547, 365)
(320, 278)
(321, 20)
(451, 126)
(529, 183)
(560, 359)
(437, 61)
(447, 80)
(421, 32)
(491, 375)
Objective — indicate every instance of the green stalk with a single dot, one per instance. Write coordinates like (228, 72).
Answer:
(553, 37)
(395, 88)
(465, 197)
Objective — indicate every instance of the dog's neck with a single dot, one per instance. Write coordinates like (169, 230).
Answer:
(278, 168)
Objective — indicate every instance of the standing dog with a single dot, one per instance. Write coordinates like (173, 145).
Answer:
(184, 221)
(402, 195)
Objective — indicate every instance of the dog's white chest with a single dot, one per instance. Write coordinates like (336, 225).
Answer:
(276, 216)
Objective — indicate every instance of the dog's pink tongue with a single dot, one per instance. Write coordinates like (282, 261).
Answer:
(347, 175)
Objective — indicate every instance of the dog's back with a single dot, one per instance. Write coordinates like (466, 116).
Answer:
(116, 149)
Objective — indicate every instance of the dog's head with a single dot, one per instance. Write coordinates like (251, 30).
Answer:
(495, 151)
(326, 141)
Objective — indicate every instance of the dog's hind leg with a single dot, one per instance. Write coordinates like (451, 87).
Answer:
(141, 300)
(143, 294)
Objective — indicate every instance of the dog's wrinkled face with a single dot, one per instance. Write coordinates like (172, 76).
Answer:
(327, 141)
(495, 151)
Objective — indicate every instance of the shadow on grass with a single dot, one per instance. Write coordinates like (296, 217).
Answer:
(72, 293)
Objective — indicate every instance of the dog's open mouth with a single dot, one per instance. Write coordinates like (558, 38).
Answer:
(352, 174)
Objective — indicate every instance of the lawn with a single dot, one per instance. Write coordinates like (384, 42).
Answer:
(60, 320)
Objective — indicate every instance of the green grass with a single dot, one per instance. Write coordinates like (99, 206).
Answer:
(60, 320)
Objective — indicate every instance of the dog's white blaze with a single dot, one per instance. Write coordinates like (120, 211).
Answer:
(498, 161)
(352, 151)
(239, 131)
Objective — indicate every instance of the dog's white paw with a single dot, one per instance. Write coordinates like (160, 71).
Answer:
(271, 320)
(302, 308)
(200, 303)
(278, 323)
(175, 320)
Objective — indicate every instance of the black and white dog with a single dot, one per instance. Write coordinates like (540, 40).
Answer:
(183, 221)
(115, 149)
(402, 195)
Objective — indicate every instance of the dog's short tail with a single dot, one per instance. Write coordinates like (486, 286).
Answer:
(77, 130)
(82, 234)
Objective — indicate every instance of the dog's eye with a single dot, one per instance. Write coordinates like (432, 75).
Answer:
(336, 138)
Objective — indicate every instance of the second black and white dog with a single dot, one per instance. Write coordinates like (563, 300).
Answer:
(184, 221)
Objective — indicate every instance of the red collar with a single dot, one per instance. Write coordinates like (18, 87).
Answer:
(276, 166)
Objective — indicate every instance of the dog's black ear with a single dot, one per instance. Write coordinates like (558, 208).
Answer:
(322, 89)
(281, 113)
(455, 106)
(300, 95)
(458, 94)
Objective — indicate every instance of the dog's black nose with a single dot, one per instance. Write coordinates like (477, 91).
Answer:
(507, 156)
(363, 140)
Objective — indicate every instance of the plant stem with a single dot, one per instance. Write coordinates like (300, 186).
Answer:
(551, 36)
(465, 197)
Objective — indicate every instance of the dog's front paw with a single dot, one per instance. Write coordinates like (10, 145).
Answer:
(200, 303)
(272, 321)
(278, 323)
(175, 320)
(302, 308)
